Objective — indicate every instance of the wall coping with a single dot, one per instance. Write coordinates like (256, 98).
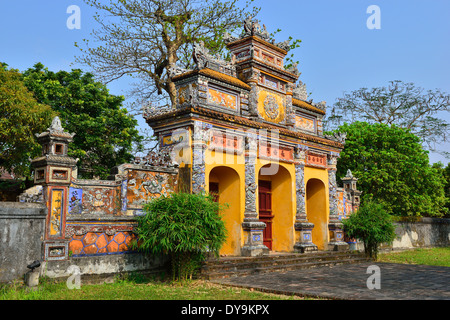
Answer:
(423, 220)
(22, 210)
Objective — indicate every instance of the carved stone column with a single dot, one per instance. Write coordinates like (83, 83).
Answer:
(253, 228)
(252, 77)
(290, 113)
(303, 228)
(199, 144)
(335, 226)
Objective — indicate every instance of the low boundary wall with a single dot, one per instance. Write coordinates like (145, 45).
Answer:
(416, 233)
(21, 237)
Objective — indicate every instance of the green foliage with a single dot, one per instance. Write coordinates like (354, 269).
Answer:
(445, 174)
(290, 59)
(393, 169)
(105, 133)
(21, 118)
(372, 225)
(184, 226)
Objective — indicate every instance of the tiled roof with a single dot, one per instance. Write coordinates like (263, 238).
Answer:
(215, 75)
(258, 39)
(306, 105)
(246, 122)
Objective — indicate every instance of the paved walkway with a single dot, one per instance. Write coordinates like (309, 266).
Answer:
(397, 281)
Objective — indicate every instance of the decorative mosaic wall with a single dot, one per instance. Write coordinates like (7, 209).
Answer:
(56, 212)
(222, 98)
(271, 106)
(100, 212)
(304, 123)
(94, 243)
(344, 205)
(146, 185)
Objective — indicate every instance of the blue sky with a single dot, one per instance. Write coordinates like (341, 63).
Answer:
(338, 52)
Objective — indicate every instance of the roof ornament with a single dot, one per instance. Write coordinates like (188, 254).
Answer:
(175, 70)
(56, 125)
(253, 28)
(55, 129)
(349, 174)
(227, 38)
(151, 110)
(338, 137)
(294, 69)
(300, 92)
(285, 45)
(203, 59)
(322, 105)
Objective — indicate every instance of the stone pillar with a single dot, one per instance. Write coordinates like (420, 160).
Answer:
(290, 112)
(53, 170)
(303, 228)
(253, 228)
(199, 145)
(335, 226)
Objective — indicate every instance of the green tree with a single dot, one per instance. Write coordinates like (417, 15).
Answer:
(105, 132)
(144, 38)
(185, 227)
(447, 187)
(392, 168)
(21, 118)
(445, 173)
(403, 104)
(372, 225)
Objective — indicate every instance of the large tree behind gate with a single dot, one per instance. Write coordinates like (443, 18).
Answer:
(393, 169)
(402, 104)
(144, 38)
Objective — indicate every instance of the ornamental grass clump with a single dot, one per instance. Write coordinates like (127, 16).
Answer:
(372, 225)
(186, 227)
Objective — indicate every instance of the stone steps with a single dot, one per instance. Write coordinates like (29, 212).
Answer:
(275, 262)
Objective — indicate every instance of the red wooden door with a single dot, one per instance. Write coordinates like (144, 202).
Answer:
(265, 210)
(214, 190)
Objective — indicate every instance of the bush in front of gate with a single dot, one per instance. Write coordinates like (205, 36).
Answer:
(186, 227)
(372, 225)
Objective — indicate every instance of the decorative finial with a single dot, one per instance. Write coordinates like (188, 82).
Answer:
(349, 174)
(56, 125)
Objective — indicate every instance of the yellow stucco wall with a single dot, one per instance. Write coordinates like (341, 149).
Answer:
(283, 203)
(317, 204)
(229, 171)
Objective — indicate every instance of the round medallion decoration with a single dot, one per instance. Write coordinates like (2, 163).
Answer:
(271, 107)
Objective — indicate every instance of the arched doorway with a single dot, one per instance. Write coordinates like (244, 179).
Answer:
(224, 184)
(275, 209)
(316, 211)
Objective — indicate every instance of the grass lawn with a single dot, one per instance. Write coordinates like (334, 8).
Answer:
(140, 288)
(432, 257)
(136, 290)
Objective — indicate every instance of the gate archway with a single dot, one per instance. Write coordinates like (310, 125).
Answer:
(224, 183)
(316, 211)
(275, 208)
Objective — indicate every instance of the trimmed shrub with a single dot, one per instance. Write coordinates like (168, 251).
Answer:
(372, 225)
(187, 227)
